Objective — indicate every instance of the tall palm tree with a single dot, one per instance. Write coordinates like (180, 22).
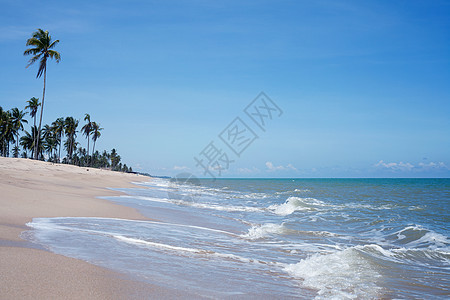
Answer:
(87, 129)
(41, 43)
(70, 129)
(58, 128)
(96, 133)
(33, 105)
(18, 121)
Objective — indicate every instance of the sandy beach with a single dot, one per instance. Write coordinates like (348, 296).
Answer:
(32, 189)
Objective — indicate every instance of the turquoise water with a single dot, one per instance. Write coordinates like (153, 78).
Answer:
(273, 238)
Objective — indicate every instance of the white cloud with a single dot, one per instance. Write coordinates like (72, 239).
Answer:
(272, 168)
(406, 166)
(433, 165)
(290, 166)
(248, 170)
(180, 168)
(400, 166)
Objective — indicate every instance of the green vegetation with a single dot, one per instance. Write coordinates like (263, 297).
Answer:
(45, 142)
(60, 133)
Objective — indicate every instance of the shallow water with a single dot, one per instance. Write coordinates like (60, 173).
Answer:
(273, 238)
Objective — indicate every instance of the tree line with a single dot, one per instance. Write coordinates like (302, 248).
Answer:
(61, 134)
(45, 142)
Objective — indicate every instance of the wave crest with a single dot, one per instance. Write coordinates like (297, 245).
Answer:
(293, 204)
(340, 275)
(416, 236)
(262, 231)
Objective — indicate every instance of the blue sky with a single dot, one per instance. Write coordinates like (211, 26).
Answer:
(363, 85)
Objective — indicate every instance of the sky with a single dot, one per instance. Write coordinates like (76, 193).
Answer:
(350, 88)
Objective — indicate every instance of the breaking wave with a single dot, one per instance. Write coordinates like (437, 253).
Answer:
(293, 204)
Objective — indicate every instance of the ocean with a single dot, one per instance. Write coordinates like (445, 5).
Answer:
(272, 238)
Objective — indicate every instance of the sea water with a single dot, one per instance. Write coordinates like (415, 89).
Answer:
(272, 238)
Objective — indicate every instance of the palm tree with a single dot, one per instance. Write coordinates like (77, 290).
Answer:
(104, 159)
(18, 121)
(16, 151)
(115, 159)
(41, 50)
(6, 131)
(50, 144)
(47, 131)
(87, 129)
(95, 133)
(58, 128)
(3, 121)
(70, 129)
(33, 105)
(2, 129)
(28, 142)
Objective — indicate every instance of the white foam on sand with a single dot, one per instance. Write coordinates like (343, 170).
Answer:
(181, 250)
(228, 208)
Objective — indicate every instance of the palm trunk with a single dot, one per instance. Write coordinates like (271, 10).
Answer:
(93, 148)
(59, 155)
(36, 152)
(88, 151)
(34, 141)
(17, 144)
(71, 149)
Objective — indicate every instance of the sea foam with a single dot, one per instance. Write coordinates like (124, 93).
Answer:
(262, 231)
(416, 236)
(293, 204)
(340, 275)
(228, 208)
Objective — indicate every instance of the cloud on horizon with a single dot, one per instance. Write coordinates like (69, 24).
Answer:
(180, 168)
(406, 166)
(272, 168)
(248, 170)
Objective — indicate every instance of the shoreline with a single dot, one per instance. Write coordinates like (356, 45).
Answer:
(32, 189)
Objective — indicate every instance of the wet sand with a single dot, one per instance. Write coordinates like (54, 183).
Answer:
(30, 189)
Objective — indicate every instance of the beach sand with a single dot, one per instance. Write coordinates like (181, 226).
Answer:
(30, 189)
